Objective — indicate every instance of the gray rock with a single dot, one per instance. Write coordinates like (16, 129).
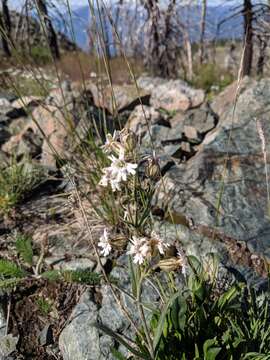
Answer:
(142, 118)
(202, 119)
(46, 336)
(191, 133)
(80, 340)
(4, 104)
(3, 322)
(193, 189)
(8, 345)
(176, 95)
(75, 264)
(149, 83)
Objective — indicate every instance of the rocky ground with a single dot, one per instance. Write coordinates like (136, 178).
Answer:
(193, 139)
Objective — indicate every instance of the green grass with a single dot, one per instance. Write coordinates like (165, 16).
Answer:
(209, 75)
(17, 181)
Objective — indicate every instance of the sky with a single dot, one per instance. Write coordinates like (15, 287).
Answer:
(79, 3)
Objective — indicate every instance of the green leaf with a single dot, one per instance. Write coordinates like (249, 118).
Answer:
(182, 312)
(10, 270)
(24, 249)
(227, 299)
(52, 275)
(162, 319)
(195, 264)
(9, 283)
(117, 355)
(120, 340)
(174, 313)
(81, 276)
(210, 349)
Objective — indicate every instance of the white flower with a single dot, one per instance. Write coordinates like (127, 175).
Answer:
(104, 243)
(139, 249)
(118, 171)
(159, 242)
(111, 142)
(182, 257)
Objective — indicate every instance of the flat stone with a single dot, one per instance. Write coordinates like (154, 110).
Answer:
(75, 264)
(80, 340)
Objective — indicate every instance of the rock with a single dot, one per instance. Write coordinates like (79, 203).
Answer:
(226, 98)
(81, 263)
(185, 146)
(46, 336)
(3, 322)
(25, 143)
(4, 134)
(4, 104)
(8, 345)
(55, 127)
(175, 95)
(26, 102)
(191, 133)
(141, 118)
(148, 83)
(80, 340)
(198, 184)
(16, 113)
(177, 119)
(124, 97)
(202, 119)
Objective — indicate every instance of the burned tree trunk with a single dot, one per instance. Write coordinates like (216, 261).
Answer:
(202, 31)
(50, 32)
(5, 28)
(248, 37)
(162, 43)
(153, 14)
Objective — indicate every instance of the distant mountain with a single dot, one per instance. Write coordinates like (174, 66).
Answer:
(80, 22)
(230, 29)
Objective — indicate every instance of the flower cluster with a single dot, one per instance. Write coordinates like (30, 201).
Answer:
(141, 248)
(120, 169)
(104, 243)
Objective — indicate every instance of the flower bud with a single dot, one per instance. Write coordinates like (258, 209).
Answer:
(119, 242)
(152, 169)
(128, 139)
(170, 264)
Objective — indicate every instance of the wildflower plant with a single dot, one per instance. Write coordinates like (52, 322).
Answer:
(126, 180)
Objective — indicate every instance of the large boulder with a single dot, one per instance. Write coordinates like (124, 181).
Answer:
(175, 95)
(223, 188)
(118, 98)
(141, 118)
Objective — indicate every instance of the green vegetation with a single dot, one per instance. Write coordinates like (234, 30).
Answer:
(211, 75)
(26, 267)
(200, 321)
(45, 306)
(16, 182)
(24, 248)
(40, 55)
